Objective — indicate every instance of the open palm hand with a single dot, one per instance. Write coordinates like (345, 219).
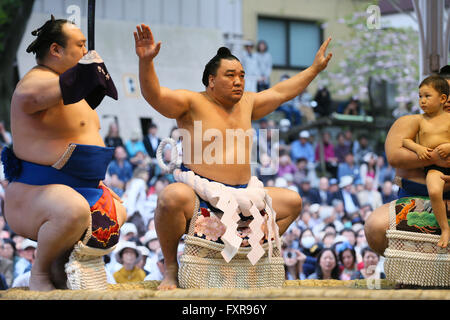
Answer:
(321, 61)
(146, 48)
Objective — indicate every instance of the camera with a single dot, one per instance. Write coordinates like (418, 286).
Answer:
(289, 255)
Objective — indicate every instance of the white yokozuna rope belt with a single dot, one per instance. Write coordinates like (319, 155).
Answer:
(249, 201)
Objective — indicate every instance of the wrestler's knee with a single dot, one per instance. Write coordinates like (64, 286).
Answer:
(297, 204)
(375, 229)
(73, 212)
(294, 203)
(286, 203)
(28, 207)
(174, 197)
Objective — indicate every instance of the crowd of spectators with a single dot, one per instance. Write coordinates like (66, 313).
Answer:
(327, 240)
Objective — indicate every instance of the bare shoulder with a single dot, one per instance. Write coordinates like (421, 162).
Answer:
(248, 99)
(192, 97)
(407, 120)
(193, 94)
(186, 92)
(34, 76)
(249, 96)
(410, 117)
(402, 128)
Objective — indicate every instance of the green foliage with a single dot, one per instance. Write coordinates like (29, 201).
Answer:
(7, 11)
(385, 54)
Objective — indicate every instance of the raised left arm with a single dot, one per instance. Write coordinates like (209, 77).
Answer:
(268, 100)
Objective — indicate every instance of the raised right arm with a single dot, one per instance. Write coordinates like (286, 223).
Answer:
(170, 103)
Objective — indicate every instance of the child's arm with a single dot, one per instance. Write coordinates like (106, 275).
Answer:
(443, 150)
(422, 152)
(410, 133)
(406, 127)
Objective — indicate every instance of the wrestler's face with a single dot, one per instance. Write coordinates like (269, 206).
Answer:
(430, 99)
(229, 82)
(75, 47)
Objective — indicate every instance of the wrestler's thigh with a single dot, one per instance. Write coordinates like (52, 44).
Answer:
(375, 229)
(27, 207)
(287, 204)
(177, 197)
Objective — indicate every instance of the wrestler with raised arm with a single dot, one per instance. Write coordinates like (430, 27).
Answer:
(223, 105)
(58, 154)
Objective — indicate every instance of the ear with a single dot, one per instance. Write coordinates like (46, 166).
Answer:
(211, 81)
(55, 50)
(444, 98)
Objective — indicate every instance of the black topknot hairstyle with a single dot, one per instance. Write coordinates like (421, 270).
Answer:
(213, 64)
(445, 72)
(50, 32)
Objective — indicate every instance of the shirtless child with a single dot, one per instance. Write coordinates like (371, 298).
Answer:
(433, 131)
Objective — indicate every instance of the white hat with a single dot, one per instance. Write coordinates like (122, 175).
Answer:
(368, 156)
(135, 135)
(149, 236)
(289, 177)
(27, 243)
(285, 123)
(281, 182)
(345, 181)
(325, 212)
(304, 134)
(122, 245)
(357, 226)
(314, 207)
(127, 228)
(144, 251)
(248, 42)
(340, 238)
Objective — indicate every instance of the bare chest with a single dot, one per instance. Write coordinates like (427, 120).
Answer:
(434, 131)
(60, 121)
(214, 118)
(434, 127)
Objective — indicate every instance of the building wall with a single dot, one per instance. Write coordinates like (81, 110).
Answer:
(190, 31)
(326, 11)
